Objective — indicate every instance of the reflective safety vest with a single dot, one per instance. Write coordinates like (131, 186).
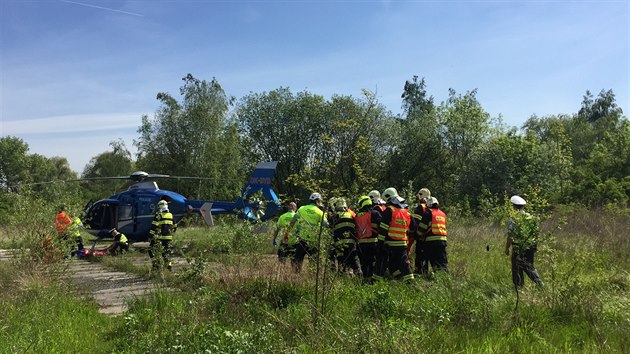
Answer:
(163, 226)
(309, 220)
(284, 221)
(364, 228)
(122, 238)
(344, 227)
(398, 226)
(437, 228)
(62, 223)
(73, 230)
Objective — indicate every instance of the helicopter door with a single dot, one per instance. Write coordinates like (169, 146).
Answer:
(103, 217)
(125, 218)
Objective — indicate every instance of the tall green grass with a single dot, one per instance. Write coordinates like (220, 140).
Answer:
(235, 297)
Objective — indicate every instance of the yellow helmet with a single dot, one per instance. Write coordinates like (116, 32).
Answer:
(364, 200)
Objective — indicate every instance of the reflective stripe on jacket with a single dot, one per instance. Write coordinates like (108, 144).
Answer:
(344, 226)
(420, 210)
(163, 226)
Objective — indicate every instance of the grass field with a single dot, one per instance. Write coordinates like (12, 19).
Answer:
(234, 297)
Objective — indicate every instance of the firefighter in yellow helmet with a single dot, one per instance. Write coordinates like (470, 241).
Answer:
(344, 243)
(421, 266)
(308, 222)
(161, 236)
(395, 223)
(367, 235)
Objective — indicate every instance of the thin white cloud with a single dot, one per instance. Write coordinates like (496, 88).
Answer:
(71, 124)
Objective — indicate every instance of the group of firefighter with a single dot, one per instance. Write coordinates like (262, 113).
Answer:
(375, 241)
(161, 236)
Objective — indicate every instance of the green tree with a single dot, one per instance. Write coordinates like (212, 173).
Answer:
(464, 126)
(419, 156)
(600, 144)
(553, 167)
(193, 138)
(283, 127)
(13, 162)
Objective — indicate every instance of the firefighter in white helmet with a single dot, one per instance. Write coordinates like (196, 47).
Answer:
(161, 237)
(522, 235)
(395, 223)
(381, 253)
(308, 222)
(432, 227)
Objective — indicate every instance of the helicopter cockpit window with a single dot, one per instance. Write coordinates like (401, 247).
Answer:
(125, 212)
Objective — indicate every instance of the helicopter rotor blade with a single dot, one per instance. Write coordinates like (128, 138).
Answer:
(137, 176)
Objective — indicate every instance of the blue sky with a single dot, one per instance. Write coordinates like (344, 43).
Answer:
(76, 75)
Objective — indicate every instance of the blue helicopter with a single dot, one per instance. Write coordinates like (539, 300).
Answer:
(132, 211)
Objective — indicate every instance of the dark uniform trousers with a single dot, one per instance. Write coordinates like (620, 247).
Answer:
(523, 262)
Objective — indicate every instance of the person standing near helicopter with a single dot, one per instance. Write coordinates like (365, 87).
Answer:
(63, 222)
(161, 236)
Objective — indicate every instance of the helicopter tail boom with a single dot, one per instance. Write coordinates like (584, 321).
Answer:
(257, 202)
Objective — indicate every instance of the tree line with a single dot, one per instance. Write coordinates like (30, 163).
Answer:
(349, 145)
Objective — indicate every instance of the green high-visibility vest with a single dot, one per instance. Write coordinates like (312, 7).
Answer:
(309, 219)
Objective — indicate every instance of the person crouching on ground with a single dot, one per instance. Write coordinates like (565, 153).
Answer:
(120, 245)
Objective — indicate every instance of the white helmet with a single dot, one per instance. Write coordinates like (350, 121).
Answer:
(516, 200)
(374, 195)
(424, 193)
(315, 196)
(390, 193)
(162, 205)
(432, 202)
(340, 204)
